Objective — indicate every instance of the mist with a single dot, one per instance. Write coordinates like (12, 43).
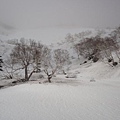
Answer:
(60, 13)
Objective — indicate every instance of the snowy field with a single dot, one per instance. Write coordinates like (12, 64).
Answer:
(98, 100)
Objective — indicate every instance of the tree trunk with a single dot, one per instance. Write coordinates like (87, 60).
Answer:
(64, 72)
(26, 74)
(49, 78)
(30, 74)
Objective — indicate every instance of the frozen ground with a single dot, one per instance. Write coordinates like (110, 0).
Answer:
(98, 100)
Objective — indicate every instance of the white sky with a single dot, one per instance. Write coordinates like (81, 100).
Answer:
(51, 13)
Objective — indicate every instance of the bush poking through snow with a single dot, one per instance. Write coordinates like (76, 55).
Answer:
(71, 75)
(41, 76)
(77, 72)
(92, 80)
(95, 59)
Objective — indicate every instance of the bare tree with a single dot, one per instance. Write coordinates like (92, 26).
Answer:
(70, 38)
(116, 33)
(53, 61)
(22, 54)
(10, 69)
(47, 64)
(61, 58)
(77, 49)
(37, 51)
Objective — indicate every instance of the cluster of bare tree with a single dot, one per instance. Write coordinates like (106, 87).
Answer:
(98, 47)
(33, 57)
(76, 37)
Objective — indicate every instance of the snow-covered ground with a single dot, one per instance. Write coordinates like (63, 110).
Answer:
(58, 101)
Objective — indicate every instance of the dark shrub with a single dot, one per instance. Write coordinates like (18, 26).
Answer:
(85, 61)
(90, 57)
(1, 86)
(110, 60)
(95, 59)
(115, 63)
(15, 82)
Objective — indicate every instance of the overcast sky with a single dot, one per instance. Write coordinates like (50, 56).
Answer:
(50, 13)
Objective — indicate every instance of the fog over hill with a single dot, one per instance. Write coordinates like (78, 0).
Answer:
(49, 20)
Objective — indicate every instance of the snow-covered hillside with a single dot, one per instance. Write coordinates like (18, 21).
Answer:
(45, 35)
(48, 36)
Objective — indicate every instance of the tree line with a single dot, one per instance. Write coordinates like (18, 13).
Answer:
(32, 56)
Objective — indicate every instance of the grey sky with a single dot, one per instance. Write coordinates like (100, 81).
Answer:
(81, 13)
